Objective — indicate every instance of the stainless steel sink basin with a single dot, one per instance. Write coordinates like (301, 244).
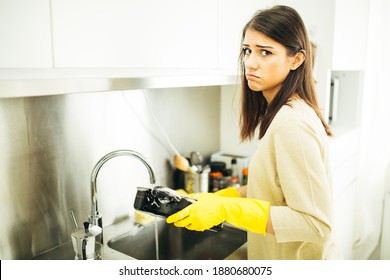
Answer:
(179, 243)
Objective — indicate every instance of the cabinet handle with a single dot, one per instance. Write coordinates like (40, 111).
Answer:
(334, 99)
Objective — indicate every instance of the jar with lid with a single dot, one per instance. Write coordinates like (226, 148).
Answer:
(227, 178)
(216, 175)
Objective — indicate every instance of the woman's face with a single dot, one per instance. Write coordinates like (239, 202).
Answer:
(266, 63)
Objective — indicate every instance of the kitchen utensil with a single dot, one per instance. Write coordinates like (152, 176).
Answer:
(181, 163)
(163, 202)
(197, 181)
(197, 160)
(84, 244)
(84, 241)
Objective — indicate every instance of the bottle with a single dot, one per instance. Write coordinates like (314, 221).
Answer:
(245, 176)
(234, 179)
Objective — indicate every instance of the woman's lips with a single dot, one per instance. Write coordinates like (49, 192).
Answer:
(251, 76)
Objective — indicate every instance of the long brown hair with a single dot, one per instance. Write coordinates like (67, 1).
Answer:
(284, 25)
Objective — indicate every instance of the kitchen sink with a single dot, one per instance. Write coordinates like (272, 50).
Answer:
(179, 243)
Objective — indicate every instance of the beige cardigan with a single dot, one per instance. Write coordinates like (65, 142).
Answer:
(290, 169)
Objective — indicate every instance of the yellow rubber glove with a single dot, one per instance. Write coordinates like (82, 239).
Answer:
(228, 192)
(210, 210)
(182, 192)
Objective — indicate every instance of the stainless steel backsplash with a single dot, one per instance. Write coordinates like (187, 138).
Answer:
(49, 145)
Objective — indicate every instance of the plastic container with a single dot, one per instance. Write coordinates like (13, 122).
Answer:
(244, 176)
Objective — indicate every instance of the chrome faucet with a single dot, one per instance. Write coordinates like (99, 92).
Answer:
(96, 218)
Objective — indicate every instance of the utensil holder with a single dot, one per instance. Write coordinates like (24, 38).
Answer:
(196, 182)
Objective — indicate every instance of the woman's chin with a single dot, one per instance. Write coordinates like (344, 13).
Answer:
(254, 86)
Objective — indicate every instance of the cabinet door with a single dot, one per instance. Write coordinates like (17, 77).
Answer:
(345, 204)
(233, 15)
(135, 34)
(344, 155)
(350, 34)
(25, 40)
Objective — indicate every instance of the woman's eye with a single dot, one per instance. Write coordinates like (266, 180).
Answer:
(265, 53)
(246, 51)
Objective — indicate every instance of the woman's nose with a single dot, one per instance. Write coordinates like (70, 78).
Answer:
(250, 62)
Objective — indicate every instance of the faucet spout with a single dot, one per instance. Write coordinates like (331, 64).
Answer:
(96, 218)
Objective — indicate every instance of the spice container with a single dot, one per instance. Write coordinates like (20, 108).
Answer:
(227, 176)
(216, 181)
(245, 176)
(241, 160)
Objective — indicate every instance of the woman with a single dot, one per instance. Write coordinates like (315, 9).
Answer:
(287, 205)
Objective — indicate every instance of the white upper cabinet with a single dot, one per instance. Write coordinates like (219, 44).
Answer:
(135, 34)
(25, 39)
(350, 34)
(233, 15)
(170, 34)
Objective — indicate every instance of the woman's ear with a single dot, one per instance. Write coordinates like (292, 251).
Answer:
(298, 59)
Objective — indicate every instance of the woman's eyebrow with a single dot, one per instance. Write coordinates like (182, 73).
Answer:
(264, 47)
(259, 46)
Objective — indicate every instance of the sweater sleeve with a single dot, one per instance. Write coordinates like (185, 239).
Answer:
(304, 181)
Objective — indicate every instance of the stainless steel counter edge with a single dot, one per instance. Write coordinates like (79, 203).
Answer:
(66, 84)
(240, 254)
(65, 252)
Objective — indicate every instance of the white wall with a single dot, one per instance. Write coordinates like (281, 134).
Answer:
(375, 136)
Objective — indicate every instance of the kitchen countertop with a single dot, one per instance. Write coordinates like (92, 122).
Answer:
(65, 251)
(240, 254)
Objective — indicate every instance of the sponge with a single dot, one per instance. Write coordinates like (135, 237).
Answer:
(143, 218)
